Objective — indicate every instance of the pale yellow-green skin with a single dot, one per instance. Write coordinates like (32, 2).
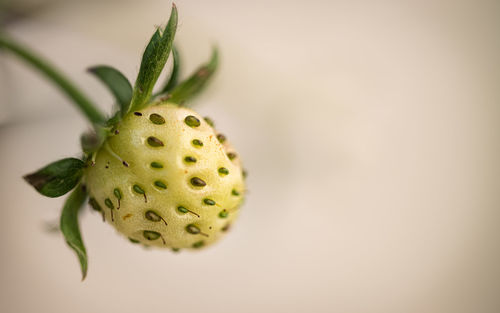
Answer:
(130, 145)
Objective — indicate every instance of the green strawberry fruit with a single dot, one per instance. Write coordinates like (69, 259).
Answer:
(155, 169)
(164, 179)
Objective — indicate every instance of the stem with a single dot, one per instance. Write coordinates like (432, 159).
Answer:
(59, 79)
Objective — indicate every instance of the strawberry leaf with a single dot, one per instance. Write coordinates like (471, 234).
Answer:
(153, 60)
(174, 76)
(57, 178)
(70, 228)
(196, 82)
(117, 83)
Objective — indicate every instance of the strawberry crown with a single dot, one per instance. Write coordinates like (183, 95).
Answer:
(62, 176)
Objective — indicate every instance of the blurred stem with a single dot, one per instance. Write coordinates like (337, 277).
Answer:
(59, 79)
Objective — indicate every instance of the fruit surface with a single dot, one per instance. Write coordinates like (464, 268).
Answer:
(166, 178)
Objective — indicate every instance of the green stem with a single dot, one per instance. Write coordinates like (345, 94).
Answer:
(83, 103)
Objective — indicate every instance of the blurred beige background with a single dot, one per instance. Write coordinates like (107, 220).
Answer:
(370, 130)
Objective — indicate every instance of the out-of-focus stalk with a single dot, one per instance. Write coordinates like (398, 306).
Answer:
(59, 79)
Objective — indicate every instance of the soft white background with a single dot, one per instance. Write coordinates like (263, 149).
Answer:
(370, 130)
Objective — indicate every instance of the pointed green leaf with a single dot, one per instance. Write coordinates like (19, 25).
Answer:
(57, 178)
(174, 75)
(70, 228)
(196, 82)
(117, 83)
(153, 60)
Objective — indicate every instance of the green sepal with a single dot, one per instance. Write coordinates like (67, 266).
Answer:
(117, 83)
(90, 141)
(153, 60)
(196, 82)
(70, 228)
(57, 178)
(174, 75)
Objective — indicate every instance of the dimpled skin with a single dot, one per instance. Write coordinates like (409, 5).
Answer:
(156, 148)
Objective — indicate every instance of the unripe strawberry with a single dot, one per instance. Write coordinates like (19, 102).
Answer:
(165, 180)
(156, 170)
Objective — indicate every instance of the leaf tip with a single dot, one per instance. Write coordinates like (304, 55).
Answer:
(84, 274)
(92, 69)
(174, 13)
(37, 180)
